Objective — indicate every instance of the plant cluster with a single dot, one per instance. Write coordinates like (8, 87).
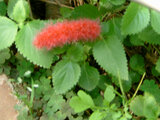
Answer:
(113, 77)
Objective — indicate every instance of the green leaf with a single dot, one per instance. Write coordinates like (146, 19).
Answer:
(81, 102)
(24, 66)
(109, 94)
(10, 7)
(137, 63)
(150, 36)
(110, 55)
(85, 11)
(24, 44)
(3, 8)
(112, 27)
(55, 103)
(75, 53)
(43, 87)
(21, 11)
(65, 12)
(117, 2)
(65, 75)
(4, 55)
(136, 41)
(8, 32)
(151, 87)
(158, 65)
(135, 19)
(97, 115)
(89, 77)
(155, 20)
(145, 106)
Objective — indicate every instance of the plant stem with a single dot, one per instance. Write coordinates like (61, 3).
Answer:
(121, 87)
(138, 86)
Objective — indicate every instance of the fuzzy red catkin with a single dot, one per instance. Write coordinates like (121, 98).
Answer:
(58, 34)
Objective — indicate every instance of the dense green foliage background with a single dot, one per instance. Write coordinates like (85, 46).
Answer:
(114, 78)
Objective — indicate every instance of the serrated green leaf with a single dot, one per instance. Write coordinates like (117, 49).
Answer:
(89, 77)
(8, 32)
(150, 36)
(81, 102)
(151, 87)
(155, 20)
(112, 27)
(145, 106)
(65, 75)
(85, 11)
(103, 81)
(4, 55)
(10, 7)
(75, 53)
(3, 8)
(135, 19)
(117, 2)
(24, 44)
(20, 11)
(137, 63)
(109, 94)
(110, 55)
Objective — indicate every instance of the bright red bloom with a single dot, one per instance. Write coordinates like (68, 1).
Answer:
(67, 32)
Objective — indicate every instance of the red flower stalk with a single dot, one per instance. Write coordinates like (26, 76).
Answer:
(67, 32)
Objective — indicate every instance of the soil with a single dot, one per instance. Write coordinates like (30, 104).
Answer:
(7, 100)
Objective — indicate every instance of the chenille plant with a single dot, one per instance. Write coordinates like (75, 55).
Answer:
(106, 51)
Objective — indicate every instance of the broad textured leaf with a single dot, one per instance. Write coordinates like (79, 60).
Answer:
(135, 19)
(109, 94)
(151, 87)
(4, 55)
(112, 27)
(65, 75)
(155, 20)
(81, 102)
(110, 55)
(24, 44)
(21, 11)
(3, 8)
(8, 32)
(89, 77)
(85, 11)
(150, 36)
(145, 106)
(137, 63)
(75, 53)
(10, 7)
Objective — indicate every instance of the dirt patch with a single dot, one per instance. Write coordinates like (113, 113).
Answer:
(7, 100)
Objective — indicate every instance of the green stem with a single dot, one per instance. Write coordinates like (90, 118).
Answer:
(121, 88)
(138, 86)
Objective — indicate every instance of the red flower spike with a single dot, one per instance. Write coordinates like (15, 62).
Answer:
(67, 32)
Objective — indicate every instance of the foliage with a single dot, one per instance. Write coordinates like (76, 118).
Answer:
(115, 77)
